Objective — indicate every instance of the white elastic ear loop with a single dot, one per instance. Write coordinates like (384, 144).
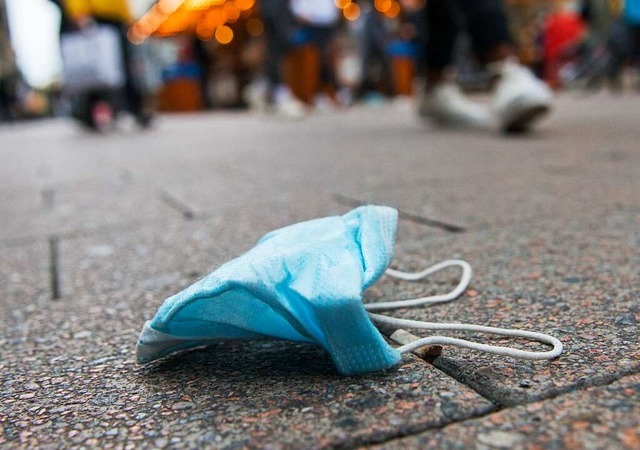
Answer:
(465, 279)
(443, 340)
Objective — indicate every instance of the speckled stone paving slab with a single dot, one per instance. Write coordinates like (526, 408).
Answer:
(71, 380)
(575, 278)
(25, 283)
(80, 207)
(39, 154)
(603, 417)
(551, 232)
(151, 256)
(498, 198)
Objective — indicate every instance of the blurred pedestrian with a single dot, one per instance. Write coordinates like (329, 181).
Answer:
(519, 97)
(319, 20)
(278, 29)
(373, 38)
(631, 19)
(8, 70)
(564, 30)
(116, 14)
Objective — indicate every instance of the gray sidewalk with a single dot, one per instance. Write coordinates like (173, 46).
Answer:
(97, 231)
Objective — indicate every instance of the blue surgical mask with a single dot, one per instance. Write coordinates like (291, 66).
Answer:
(305, 283)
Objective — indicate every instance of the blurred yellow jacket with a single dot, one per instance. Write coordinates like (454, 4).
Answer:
(102, 9)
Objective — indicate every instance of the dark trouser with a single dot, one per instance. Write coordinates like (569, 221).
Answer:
(321, 37)
(277, 26)
(8, 98)
(135, 97)
(624, 48)
(484, 20)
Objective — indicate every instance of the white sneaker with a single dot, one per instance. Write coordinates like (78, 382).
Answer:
(255, 95)
(520, 98)
(447, 106)
(324, 104)
(286, 105)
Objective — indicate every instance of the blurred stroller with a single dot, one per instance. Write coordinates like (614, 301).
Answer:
(102, 75)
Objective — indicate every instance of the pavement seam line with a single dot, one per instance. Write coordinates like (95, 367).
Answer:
(501, 409)
(177, 204)
(421, 220)
(54, 275)
(362, 441)
(129, 176)
(474, 387)
(496, 409)
(501, 398)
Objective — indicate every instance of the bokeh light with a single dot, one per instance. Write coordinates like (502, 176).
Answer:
(342, 4)
(135, 36)
(382, 5)
(393, 11)
(231, 11)
(169, 6)
(201, 4)
(224, 34)
(351, 11)
(244, 5)
(204, 31)
(216, 17)
(255, 27)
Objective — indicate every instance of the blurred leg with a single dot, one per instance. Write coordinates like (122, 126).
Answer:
(442, 31)
(487, 24)
(5, 110)
(133, 94)
(443, 102)
(277, 23)
(323, 37)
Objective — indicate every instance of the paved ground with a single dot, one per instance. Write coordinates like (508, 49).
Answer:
(97, 230)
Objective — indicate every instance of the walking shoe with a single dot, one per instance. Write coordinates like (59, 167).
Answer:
(324, 104)
(520, 98)
(102, 116)
(447, 106)
(255, 95)
(286, 105)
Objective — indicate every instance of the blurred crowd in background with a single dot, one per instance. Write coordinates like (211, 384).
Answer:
(293, 57)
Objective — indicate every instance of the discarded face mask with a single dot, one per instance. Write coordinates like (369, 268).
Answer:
(305, 283)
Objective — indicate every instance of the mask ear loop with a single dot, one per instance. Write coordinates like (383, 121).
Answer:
(465, 279)
(444, 340)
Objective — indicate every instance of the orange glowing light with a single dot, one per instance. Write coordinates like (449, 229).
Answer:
(244, 5)
(382, 5)
(351, 12)
(203, 31)
(255, 27)
(393, 10)
(224, 34)
(179, 21)
(197, 4)
(135, 35)
(169, 6)
(216, 17)
(232, 11)
(342, 4)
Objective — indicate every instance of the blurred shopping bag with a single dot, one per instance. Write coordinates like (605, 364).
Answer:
(93, 59)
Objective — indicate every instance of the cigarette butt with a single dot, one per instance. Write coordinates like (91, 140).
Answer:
(403, 337)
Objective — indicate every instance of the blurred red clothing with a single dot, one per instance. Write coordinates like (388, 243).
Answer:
(562, 29)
